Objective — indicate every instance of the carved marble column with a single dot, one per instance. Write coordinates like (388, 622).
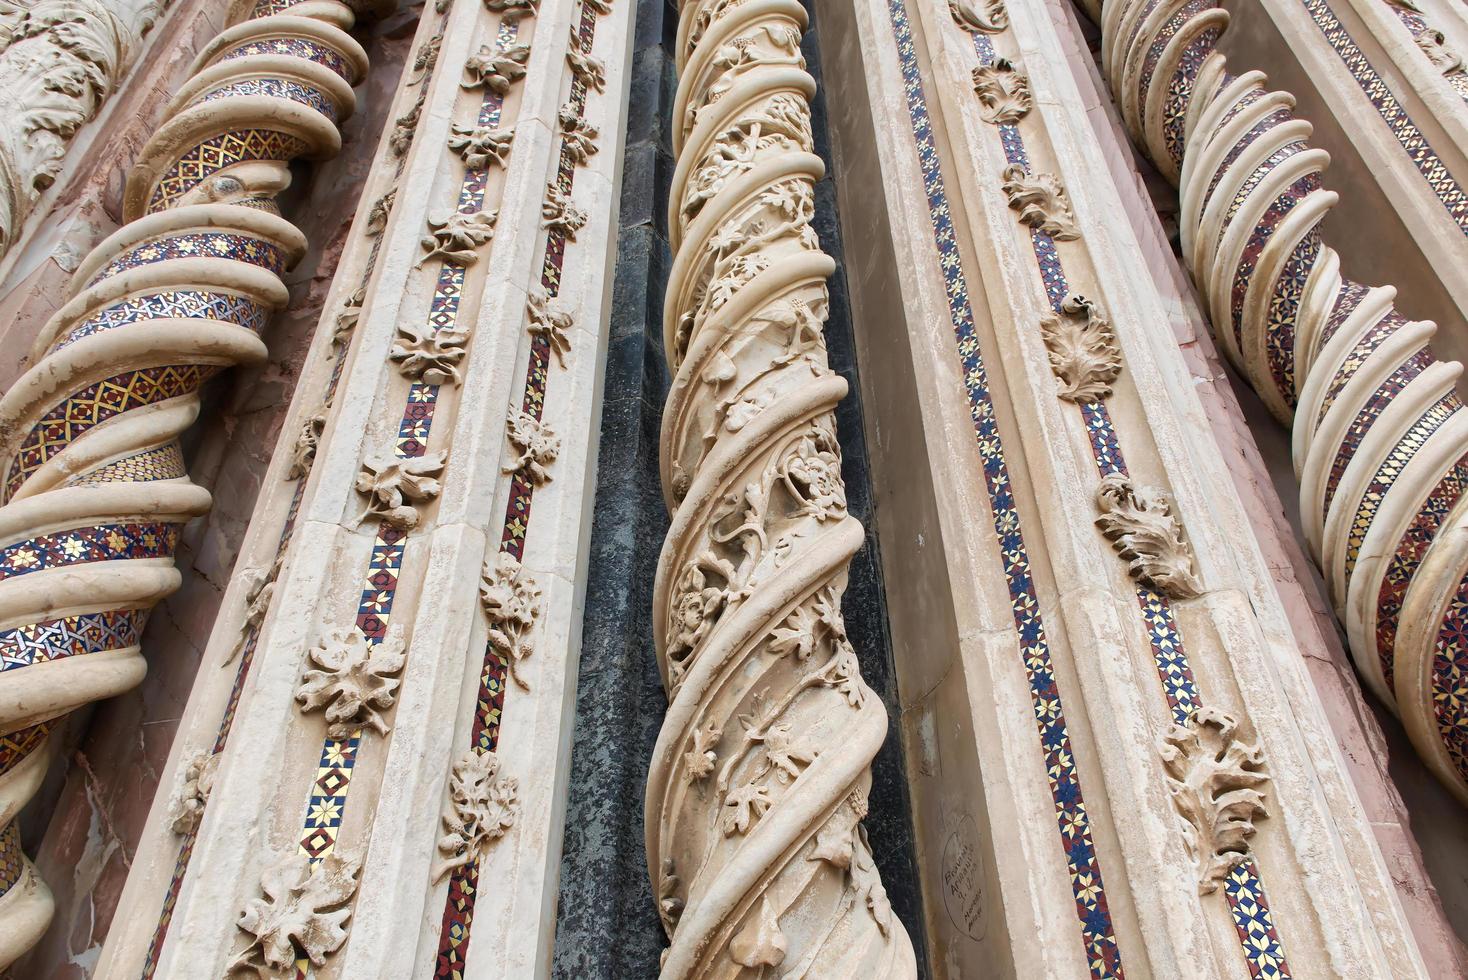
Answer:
(59, 60)
(760, 777)
(381, 722)
(95, 493)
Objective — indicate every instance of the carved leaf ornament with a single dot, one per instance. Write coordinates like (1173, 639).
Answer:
(1082, 350)
(304, 913)
(1139, 523)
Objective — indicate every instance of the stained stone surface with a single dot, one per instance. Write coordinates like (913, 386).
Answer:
(607, 923)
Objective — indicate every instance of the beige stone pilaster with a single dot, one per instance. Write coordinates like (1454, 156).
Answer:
(1121, 762)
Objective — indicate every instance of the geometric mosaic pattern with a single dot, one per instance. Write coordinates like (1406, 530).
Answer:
(212, 155)
(163, 463)
(170, 304)
(206, 244)
(79, 546)
(282, 88)
(92, 406)
(12, 861)
(54, 639)
(295, 47)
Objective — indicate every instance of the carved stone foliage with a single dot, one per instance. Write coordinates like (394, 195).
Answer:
(511, 601)
(496, 68)
(578, 137)
(404, 127)
(1004, 92)
(193, 792)
(979, 16)
(259, 594)
(1444, 57)
(354, 681)
(538, 446)
(425, 354)
(512, 11)
(457, 237)
(550, 322)
(346, 320)
(381, 208)
(589, 71)
(482, 806)
(395, 485)
(1082, 349)
(60, 61)
(308, 440)
(481, 146)
(1139, 523)
(1217, 784)
(304, 914)
(1041, 202)
(557, 213)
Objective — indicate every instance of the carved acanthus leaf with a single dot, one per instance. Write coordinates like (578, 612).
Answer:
(1003, 90)
(991, 19)
(304, 913)
(538, 445)
(483, 804)
(1139, 523)
(1082, 348)
(577, 135)
(1041, 202)
(496, 68)
(557, 213)
(432, 356)
(1216, 782)
(193, 792)
(394, 486)
(456, 237)
(588, 70)
(510, 599)
(550, 322)
(481, 146)
(354, 680)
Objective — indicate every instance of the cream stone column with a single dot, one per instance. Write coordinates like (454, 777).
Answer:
(1120, 764)
(383, 715)
(95, 493)
(59, 61)
(760, 777)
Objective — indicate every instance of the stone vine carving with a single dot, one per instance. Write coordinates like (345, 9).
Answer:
(1217, 785)
(511, 601)
(557, 213)
(1041, 202)
(1004, 92)
(578, 137)
(381, 208)
(496, 68)
(769, 716)
(479, 146)
(60, 61)
(1139, 523)
(981, 17)
(550, 322)
(588, 71)
(538, 446)
(395, 485)
(176, 295)
(457, 237)
(304, 914)
(425, 354)
(354, 681)
(1082, 349)
(1377, 426)
(483, 805)
(193, 792)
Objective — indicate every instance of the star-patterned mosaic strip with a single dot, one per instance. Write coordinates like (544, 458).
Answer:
(1393, 113)
(457, 921)
(70, 636)
(1098, 935)
(295, 47)
(201, 244)
(83, 545)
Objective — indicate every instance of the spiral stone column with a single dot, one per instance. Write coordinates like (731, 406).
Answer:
(1379, 431)
(93, 491)
(760, 777)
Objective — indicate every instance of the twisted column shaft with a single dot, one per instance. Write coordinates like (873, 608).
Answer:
(1379, 432)
(763, 765)
(93, 491)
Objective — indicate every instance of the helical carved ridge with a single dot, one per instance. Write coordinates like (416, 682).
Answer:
(93, 490)
(763, 766)
(1378, 428)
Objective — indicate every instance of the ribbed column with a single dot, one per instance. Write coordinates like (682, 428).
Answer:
(760, 776)
(1378, 429)
(93, 485)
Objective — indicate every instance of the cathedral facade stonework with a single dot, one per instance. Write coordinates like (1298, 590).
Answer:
(734, 488)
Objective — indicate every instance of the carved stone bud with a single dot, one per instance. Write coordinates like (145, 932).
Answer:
(1041, 202)
(538, 445)
(304, 914)
(1139, 523)
(394, 486)
(1082, 349)
(193, 792)
(455, 237)
(1004, 92)
(482, 807)
(354, 680)
(429, 355)
(481, 146)
(1216, 784)
(510, 599)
